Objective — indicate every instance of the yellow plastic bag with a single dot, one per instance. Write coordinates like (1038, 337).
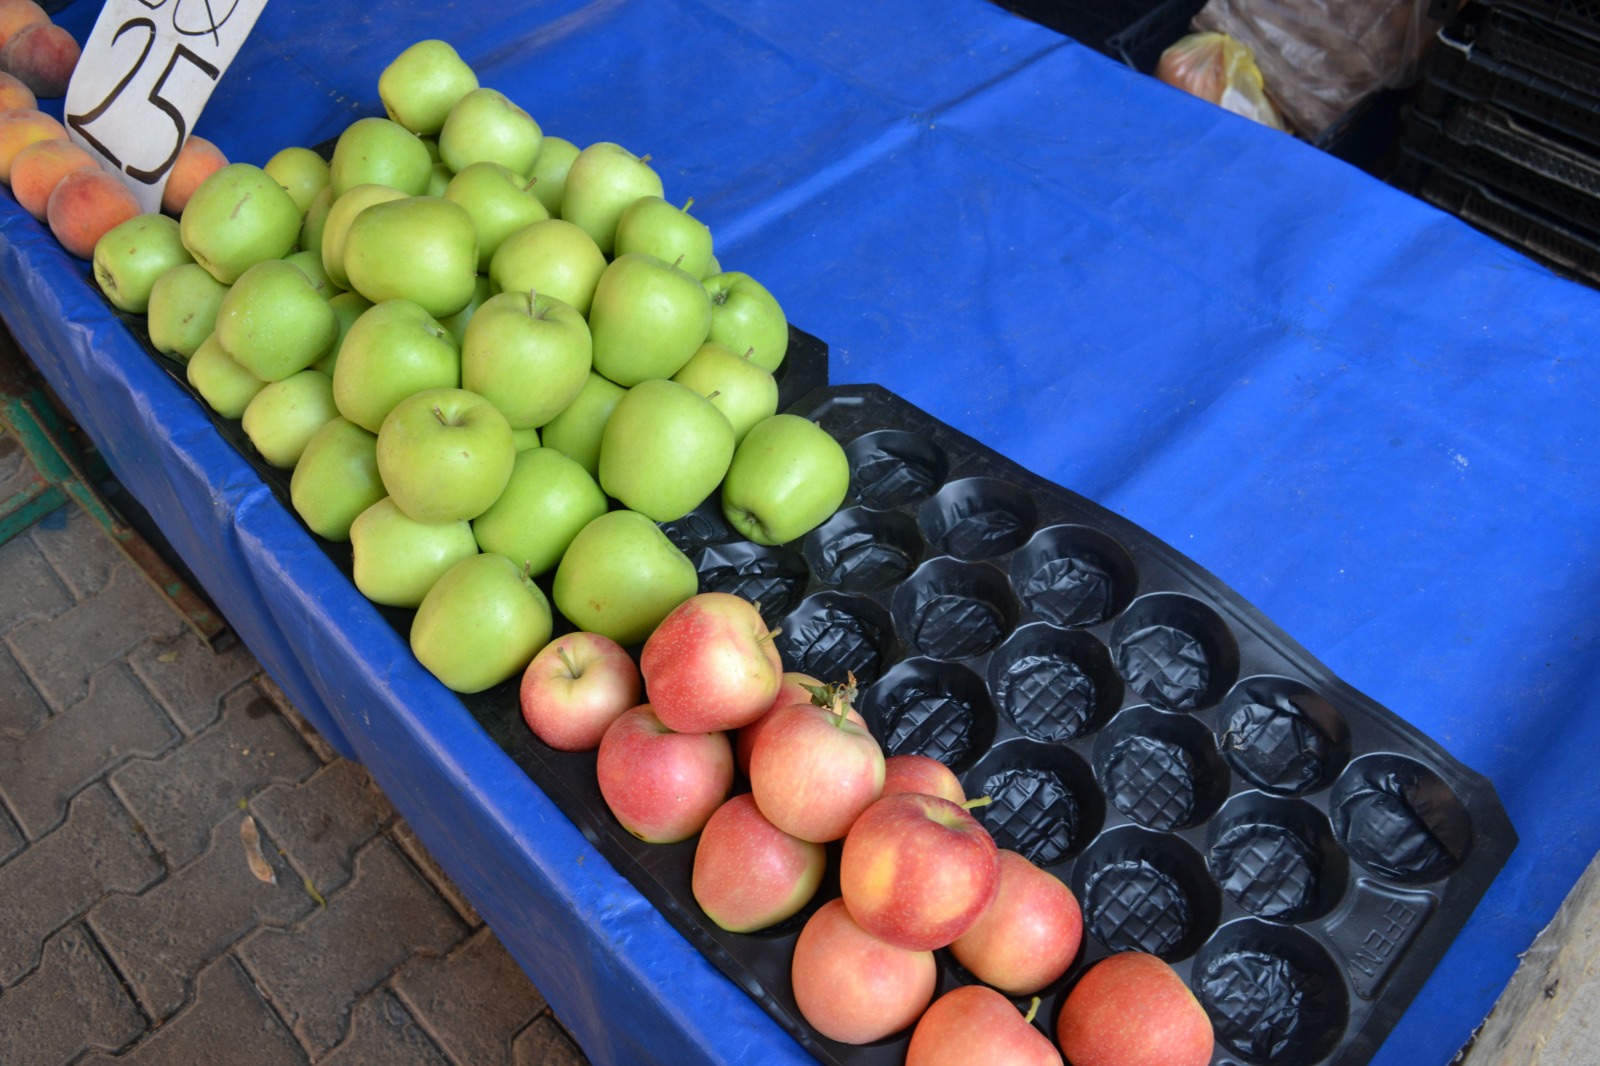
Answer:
(1215, 67)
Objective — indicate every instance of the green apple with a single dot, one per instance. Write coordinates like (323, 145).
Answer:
(225, 386)
(421, 84)
(274, 322)
(576, 431)
(742, 391)
(336, 478)
(647, 318)
(438, 180)
(671, 234)
(713, 268)
(379, 151)
(395, 349)
(285, 415)
(238, 217)
(336, 229)
(310, 264)
(602, 181)
(553, 257)
(746, 317)
(525, 439)
(480, 624)
(485, 126)
(347, 307)
(788, 476)
(621, 576)
(182, 310)
(664, 449)
(528, 355)
(302, 173)
(130, 256)
(316, 220)
(547, 501)
(395, 560)
(500, 202)
(445, 454)
(549, 172)
(422, 248)
(482, 289)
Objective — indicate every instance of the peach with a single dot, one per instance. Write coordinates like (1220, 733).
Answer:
(39, 166)
(41, 56)
(15, 95)
(197, 160)
(20, 128)
(84, 205)
(15, 14)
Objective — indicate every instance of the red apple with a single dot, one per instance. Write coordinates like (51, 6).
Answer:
(1132, 1009)
(748, 873)
(575, 687)
(1030, 933)
(853, 987)
(661, 785)
(813, 770)
(794, 688)
(711, 664)
(917, 871)
(973, 1024)
(924, 774)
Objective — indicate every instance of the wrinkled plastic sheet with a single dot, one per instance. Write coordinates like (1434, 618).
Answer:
(1372, 422)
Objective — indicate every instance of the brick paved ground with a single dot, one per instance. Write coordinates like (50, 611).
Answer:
(132, 928)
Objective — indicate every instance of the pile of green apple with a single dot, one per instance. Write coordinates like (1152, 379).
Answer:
(487, 356)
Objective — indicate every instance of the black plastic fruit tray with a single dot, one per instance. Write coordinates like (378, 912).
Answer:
(1537, 46)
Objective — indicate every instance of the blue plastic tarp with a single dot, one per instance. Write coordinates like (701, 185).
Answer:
(1372, 422)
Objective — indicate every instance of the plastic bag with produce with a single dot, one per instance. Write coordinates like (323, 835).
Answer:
(1215, 67)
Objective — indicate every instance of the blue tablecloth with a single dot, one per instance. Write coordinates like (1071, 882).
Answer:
(1374, 423)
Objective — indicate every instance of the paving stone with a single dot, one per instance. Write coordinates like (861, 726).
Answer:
(78, 550)
(417, 852)
(227, 1023)
(315, 971)
(472, 1028)
(161, 938)
(189, 679)
(33, 591)
(320, 823)
(61, 654)
(95, 851)
(383, 1034)
(21, 709)
(71, 1003)
(308, 732)
(180, 796)
(41, 771)
(10, 836)
(546, 1043)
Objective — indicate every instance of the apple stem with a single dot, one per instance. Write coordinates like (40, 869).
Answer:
(677, 261)
(688, 204)
(645, 158)
(713, 394)
(573, 669)
(981, 801)
(533, 302)
(437, 413)
(1033, 1009)
(749, 352)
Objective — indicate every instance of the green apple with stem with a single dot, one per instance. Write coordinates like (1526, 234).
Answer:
(225, 386)
(274, 322)
(395, 559)
(552, 256)
(282, 418)
(347, 307)
(746, 317)
(302, 173)
(487, 126)
(482, 289)
(336, 229)
(310, 264)
(445, 454)
(549, 172)
(647, 318)
(601, 182)
(130, 256)
(236, 218)
(500, 201)
(421, 248)
(480, 624)
(547, 501)
(577, 430)
(336, 478)
(664, 449)
(379, 151)
(527, 354)
(421, 84)
(653, 226)
(787, 477)
(182, 310)
(742, 391)
(395, 349)
(316, 219)
(621, 576)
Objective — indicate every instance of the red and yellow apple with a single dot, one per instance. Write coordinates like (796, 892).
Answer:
(748, 873)
(1132, 1009)
(853, 987)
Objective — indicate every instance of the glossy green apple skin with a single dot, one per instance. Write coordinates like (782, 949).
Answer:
(336, 229)
(648, 317)
(336, 479)
(238, 217)
(480, 624)
(445, 455)
(302, 173)
(549, 172)
(787, 477)
(421, 84)
(422, 248)
(525, 439)
(621, 576)
(664, 450)
(132, 255)
(316, 219)
(379, 151)
(395, 349)
(528, 355)
(457, 323)
(282, 418)
(655, 227)
(225, 386)
(500, 202)
(553, 257)
(396, 559)
(601, 182)
(745, 316)
(347, 307)
(486, 126)
(577, 430)
(182, 310)
(274, 322)
(548, 500)
(310, 264)
(742, 391)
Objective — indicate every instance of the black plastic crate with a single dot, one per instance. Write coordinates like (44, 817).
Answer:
(1539, 48)
(1580, 17)
(1094, 23)
(1140, 45)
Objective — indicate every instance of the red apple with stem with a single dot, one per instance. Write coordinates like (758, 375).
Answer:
(748, 873)
(1030, 933)
(813, 770)
(711, 664)
(972, 1024)
(1132, 1009)
(661, 785)
(853, 987)
(575, 687)
(794, 688)
(924, 774)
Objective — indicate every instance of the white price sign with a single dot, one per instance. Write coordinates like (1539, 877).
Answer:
(145, 75)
